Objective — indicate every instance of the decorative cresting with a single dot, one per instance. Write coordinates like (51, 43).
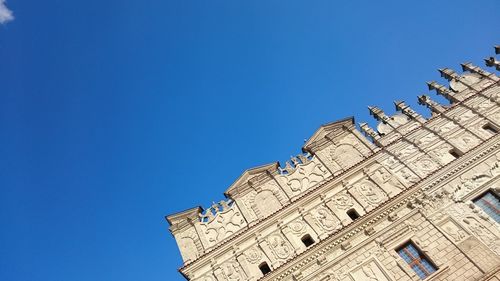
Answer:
(220, 221)
(302, 173)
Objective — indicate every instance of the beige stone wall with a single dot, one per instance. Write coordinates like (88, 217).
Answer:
(417, 184)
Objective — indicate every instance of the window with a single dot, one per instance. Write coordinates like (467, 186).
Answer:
(307, 240)
(454, 153)
(264, 268)
(353, 214)
(416, 260)
(490, 203)
(490, 129)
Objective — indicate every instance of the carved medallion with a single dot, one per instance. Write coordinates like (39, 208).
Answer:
(279, 246)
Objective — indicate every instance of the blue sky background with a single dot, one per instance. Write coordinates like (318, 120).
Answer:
(116, 113)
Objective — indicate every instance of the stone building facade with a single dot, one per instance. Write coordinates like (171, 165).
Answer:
(413, 199)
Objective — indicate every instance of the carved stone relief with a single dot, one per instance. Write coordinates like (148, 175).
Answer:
(370, 270)
(279, 247)
(347, 155)
(445, 128)
(442, 153)
(298, 227)
(426, 139)
(342, 201)
(464, 116)
(190, 246)
(424, 165)
(389, 183)
(453, 230)
(253, 255)
(221, 221)
(268, 199)
(406, 151)
(232, 271)
(303, 175)
(483, 233)
(483, 104)
(468, 184)
(370, 194)
(325, 219)
(465, 141)
(407, 176)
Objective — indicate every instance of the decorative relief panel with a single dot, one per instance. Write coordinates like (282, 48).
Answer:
(463, 116)
(481, 104)
(453, 230)
(325, 219)
(370, 270)
(230, 271)
(280, 248)
(347, 155)
(424, 165)
(342, 201)
(266, 200)
(477, 224)
(368, 193)
(190, 245)
(465, 141)
(406, 152)
(297, 227)
(425, 140)
(407, 176)
(303, 173)
(221, 221)
(442, 153)
(444, 128)
(388, 182)
(253, 255)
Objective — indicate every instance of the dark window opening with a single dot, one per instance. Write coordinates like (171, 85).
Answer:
(264, 268)
(490, 203)
(490, 129)
(454, 153)
(353, 214)
(416, 260)
(307, 240)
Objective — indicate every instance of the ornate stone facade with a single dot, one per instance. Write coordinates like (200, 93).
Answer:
(374, 208)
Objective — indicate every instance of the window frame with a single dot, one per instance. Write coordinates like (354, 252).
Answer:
(417, 261)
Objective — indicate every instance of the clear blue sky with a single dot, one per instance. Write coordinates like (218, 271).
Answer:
(116, 113)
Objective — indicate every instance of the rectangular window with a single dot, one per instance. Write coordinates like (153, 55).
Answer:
(490, 204)
(416, 260)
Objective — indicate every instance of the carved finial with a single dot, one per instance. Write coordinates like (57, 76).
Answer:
(378, 114)
(408, 111)
(492, 62)
(442, 90)
(448, 74)
(368, 131)
(429, 103)
(475, 69)
(497, 49)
